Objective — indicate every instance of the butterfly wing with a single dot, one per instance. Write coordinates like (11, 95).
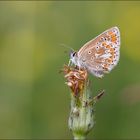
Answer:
(101, 54)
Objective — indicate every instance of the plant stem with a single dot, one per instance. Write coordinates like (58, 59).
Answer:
(79, 136)
(81, 117)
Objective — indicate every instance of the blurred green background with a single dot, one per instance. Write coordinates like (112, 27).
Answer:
(34, 101)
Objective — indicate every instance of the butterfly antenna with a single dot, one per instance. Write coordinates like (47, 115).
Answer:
(65, 46)
(71, 50)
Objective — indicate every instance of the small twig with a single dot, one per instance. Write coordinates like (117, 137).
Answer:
(97, 97)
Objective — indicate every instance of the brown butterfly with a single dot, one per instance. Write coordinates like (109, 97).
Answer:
(101, 54)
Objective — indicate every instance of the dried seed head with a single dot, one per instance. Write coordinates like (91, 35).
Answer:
(75, 78)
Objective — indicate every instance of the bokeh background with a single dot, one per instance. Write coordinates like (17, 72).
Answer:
(34, 101)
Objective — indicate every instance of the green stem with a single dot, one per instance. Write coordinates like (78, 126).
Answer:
(79, 136)
(81, 116)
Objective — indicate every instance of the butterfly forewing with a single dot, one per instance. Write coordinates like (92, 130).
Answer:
(101, 54)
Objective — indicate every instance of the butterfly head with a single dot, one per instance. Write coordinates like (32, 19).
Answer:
(73, 57)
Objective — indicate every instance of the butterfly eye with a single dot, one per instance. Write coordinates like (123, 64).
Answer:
(74, 54)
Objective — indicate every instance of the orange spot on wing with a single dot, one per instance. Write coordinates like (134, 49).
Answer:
(114, 39)
(112, 50)
(112, 55)
(113, 35)
(108, 46)
(104, 44)
(100, 51)
(105, 67)
(109, 60)
(110, 32)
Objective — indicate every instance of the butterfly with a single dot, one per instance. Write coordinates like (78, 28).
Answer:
(100, 55)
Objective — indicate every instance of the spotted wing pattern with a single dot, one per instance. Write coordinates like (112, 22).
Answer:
(101, 55)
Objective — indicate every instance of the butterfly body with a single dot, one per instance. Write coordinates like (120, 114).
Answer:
(101, 54)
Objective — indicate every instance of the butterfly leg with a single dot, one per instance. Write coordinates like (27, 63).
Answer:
(69, 63)
(78, 66)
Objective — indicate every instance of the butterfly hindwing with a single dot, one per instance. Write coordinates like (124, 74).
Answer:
(101, 54)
